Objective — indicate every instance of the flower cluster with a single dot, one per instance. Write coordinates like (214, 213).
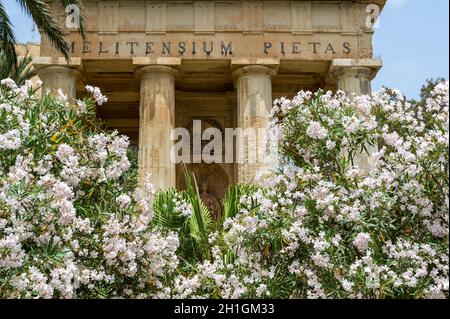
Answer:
(73, 222)
(332, 225)
(96, 94)
(358, 208)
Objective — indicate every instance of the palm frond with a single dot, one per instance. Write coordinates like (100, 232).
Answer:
(8, 43)
(24, 70)
(231, 207)
(200, 220)
(165, 215)
(5, 66)
(231, 200)
(40, 12)
(200, 223)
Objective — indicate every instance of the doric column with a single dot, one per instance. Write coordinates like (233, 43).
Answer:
(56, 77)
(156, 122)
(254, 103)
(354, 77)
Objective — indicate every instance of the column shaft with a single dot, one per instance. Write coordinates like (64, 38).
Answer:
(156, 122)
(56, 77)
(254, 103)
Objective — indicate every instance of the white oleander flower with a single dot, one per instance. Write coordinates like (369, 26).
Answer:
(316, 131)
(362, 241)
(97, 94)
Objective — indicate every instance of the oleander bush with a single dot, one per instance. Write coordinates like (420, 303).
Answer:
(73, 224)
(326, 228)
(332, 221)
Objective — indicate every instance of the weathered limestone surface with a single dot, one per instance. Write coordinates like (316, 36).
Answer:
(354, 76)
(254, 102)
(56, 77)
(354, 80)
(232, 56)
(217, 29)
(156, 121)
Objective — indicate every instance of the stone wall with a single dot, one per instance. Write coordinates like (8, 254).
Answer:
(221, 29)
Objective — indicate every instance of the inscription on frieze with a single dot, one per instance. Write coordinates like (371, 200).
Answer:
(218, 29)
(211, 47)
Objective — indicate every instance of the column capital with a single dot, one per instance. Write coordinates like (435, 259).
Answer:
(41, 62)
(252, 66)
(67, 70)
(367, 68)
(269, 62)
(60, 76)
(163, 61)
(156, 69)
(253, 70)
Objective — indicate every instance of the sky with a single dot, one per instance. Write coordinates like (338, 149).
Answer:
(412, 40)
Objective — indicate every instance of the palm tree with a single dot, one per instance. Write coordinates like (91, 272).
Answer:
(40, 12)
(231, 201)
(194, 229)
(23, 71)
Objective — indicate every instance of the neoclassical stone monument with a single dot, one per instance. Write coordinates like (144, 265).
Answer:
(164, 64)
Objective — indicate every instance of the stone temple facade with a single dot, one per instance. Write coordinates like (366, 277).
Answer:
(164, 64)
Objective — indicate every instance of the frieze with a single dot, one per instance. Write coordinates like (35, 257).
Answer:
(199, 29)
(217, 16)
(151, 46)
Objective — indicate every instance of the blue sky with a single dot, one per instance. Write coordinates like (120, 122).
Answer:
(412, 41)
